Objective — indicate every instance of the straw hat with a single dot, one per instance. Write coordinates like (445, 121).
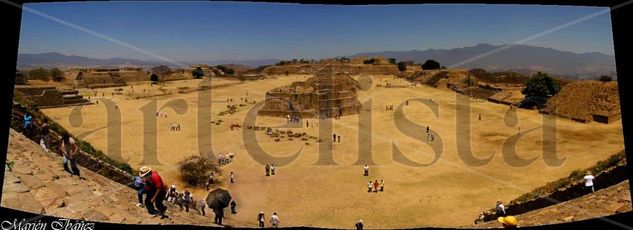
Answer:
(508, 220)
(144, 171)
(71, 140)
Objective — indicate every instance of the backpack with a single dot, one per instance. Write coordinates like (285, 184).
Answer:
(138, 182)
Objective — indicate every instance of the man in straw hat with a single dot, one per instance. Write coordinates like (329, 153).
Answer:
(156, 191)
(500, 209)
(508, 221)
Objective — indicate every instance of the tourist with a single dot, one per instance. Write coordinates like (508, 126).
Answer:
(480, 116)
(172, 194)
(334, 137)
(359, 225)
(44, 135)
(274, 220)
(154, 188)
(210, 181)
(376, 184)
(156, 111)
(508, 221)
(165, 113)
(272, 169)
(267, 170)
(232, 179)
(369, 186)
(69, 152)
(233, 205)
(219, 215)
(139, 185)
(201, 206)
(307, 124)
(27, 124)
(481, 218)
(382, 185)
(500, 209)
(186, 200)
(260, 219)
(427, 129)
(366, 167)
(178, 126)
(589, 182)
(339, 139)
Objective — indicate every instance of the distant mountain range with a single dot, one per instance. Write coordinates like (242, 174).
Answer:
(520, 58)
(54, 59)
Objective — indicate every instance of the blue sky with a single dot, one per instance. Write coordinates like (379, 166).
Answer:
(206, 31)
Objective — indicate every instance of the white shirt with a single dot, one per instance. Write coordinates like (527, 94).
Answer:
(274, 219)
(589, 180)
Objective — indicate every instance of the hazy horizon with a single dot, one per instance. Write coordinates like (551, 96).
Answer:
(206, 31)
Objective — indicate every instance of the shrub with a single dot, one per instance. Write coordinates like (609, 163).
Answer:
(195, 170)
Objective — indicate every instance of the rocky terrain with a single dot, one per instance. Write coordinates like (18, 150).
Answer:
(581, 99)
(39, 184)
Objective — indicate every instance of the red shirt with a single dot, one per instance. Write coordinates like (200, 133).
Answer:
(156, 183)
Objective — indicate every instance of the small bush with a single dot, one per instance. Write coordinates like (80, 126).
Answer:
(195, 170)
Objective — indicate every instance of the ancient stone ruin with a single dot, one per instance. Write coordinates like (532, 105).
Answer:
(327, 94)
(42, 97)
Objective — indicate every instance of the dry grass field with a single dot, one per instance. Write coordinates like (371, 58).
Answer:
(449, 192)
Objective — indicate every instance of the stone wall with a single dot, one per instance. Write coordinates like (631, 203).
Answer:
(84, 159)
(603, 179)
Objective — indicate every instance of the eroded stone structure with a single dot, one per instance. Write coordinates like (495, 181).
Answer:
(48, 96)
(327, 94)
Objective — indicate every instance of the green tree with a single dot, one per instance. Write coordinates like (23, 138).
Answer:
(542, 85)
(39, 74)
(605, 78)
(154, 78)
(230, 71)
(57, 75)
(431, 64)
(402, 66)
(197, 73)
(393, 61)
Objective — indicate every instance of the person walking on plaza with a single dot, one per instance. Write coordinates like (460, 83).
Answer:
(274, 220)
(210, 181)
(233, 206)
(589, 182)
(382, 185)
(260, 219)
(232, 178)
(155, 190)
(370, 186)
(376, 184)
(267, 170)
(272, 169)
(366, 167)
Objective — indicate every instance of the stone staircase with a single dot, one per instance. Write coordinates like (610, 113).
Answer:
(39, 184)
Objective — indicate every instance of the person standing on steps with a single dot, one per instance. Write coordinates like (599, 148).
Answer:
(202, 204)
(233, 206)
(44, 135)
(274, 220)
(186, 200)
(589, 182)
(260, 219)
(500, 209)
(139, 185)
(69, 152)
(359, 225)
(155, 190)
